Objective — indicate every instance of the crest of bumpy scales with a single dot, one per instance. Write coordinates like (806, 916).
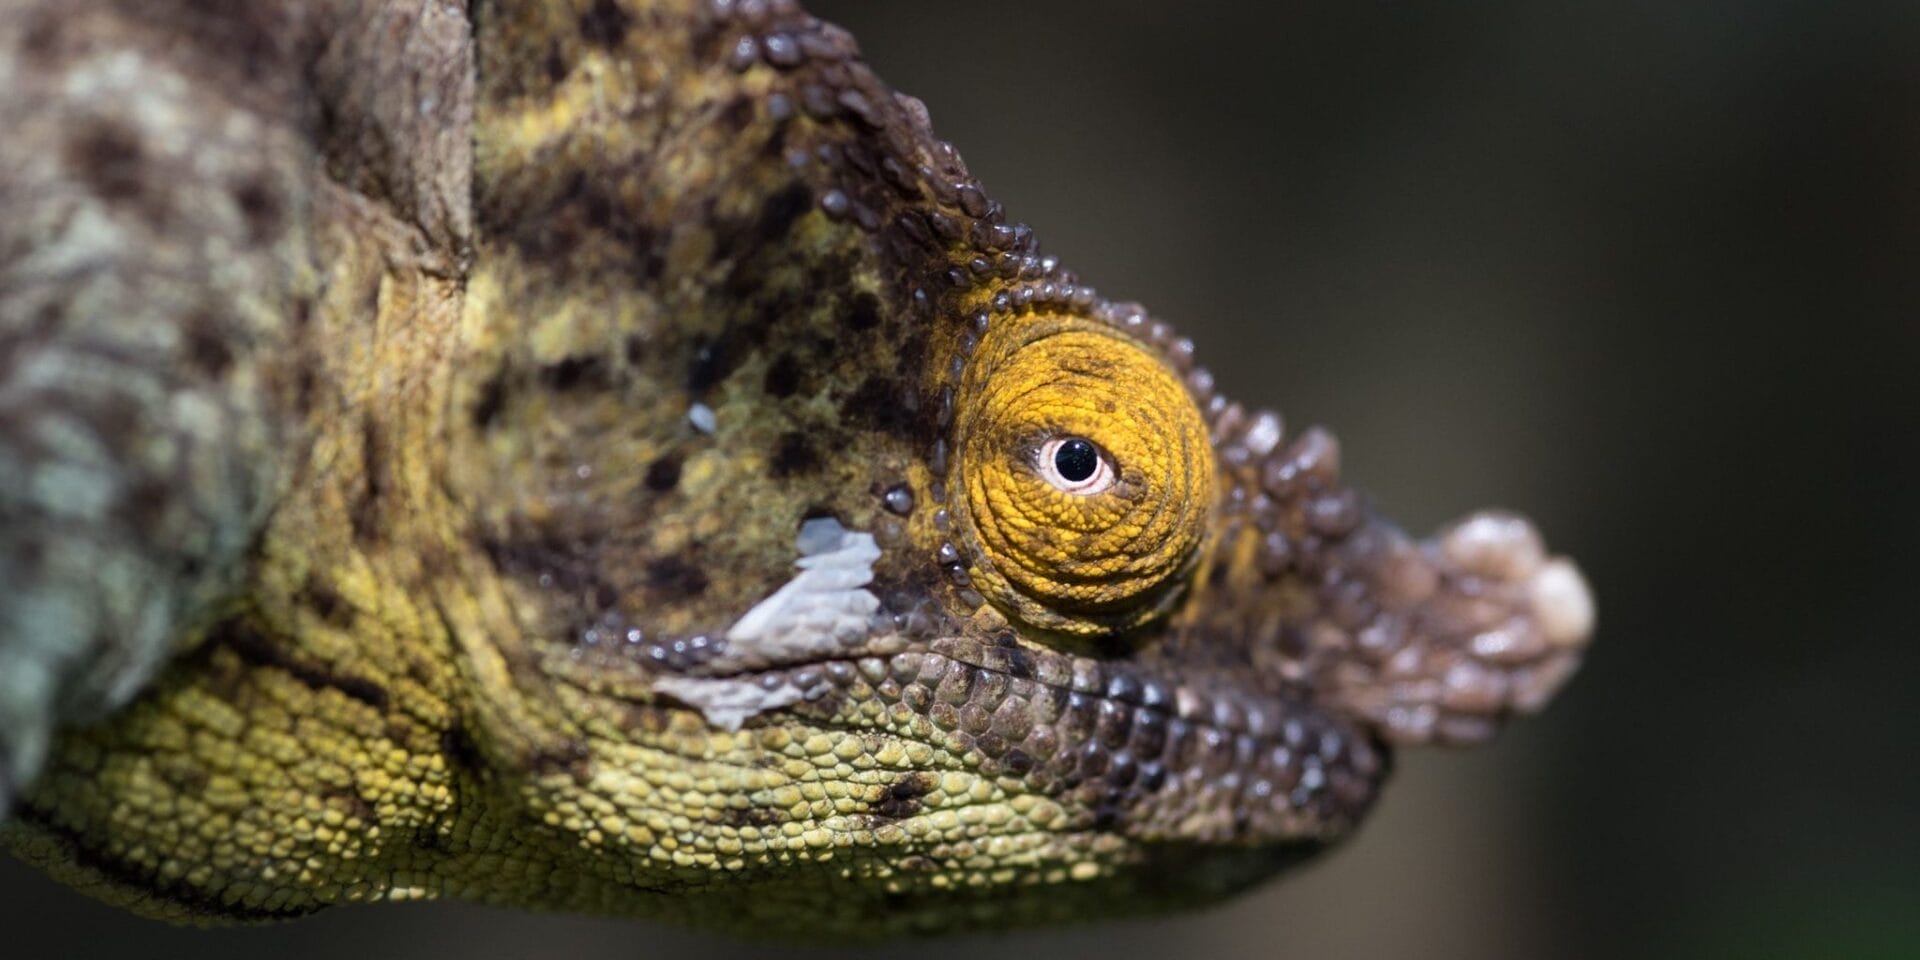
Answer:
(609, 456)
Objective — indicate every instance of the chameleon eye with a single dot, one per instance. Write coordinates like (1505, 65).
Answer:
(1082, 479)
(1074, 465)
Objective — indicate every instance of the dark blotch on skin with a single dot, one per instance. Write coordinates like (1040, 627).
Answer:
(711, 363)
(676, 577)
(39, 40)
(256, 650)
(1019, 663)
(551, 227)
(144, 504)
(749, 816)
(663, 474)
(107, 156)
(567, 565)
(493, 398)
(582, 372)
(777, 215)
(794, 454)
(366, 511)
(251, 39)
(306, 382)
(783, 377)
(320, 597)
(902, 798)
(260, 206)
(556, 64)
(864, 312)
(568, 755)
(875, 404)
(207, 344)
(605, 24)
(460, 750)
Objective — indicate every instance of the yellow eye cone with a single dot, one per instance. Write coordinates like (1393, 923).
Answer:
(1076, 563)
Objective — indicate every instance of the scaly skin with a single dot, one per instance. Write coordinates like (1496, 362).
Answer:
(480, 559)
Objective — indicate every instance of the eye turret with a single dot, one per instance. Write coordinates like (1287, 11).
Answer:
(1083, 480)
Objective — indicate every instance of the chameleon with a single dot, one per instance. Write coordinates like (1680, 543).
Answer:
(611, 456)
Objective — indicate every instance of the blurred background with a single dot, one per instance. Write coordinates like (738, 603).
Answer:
(1647, 271)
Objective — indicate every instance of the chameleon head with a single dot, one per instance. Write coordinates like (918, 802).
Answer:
(744, 524)
(866, 561)
(1085, 627)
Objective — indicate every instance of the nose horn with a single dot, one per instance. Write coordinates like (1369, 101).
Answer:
(1489, 625)
(1431, 641)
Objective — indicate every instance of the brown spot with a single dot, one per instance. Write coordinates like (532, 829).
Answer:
(605, 24)
(207, 343)
(365, 517)
(711, 362)
(556, 64)
(876, 405)
(319, 596)
(356, 805)
(749, 816)
(493, 398)
(578, 225)
(646, 718)
(763, 231)
(253, 38)
(261, 207)
(144, 505)
(677, 578)
(778, 212)
(794, 454)
(564, 564)
(306, 380)
(569, 755)
(41, 39)
(1017, 762)
(107, 155)
(738, 114)
(457, 745)
(901, 799)
(400, 731)
(783, 377)
(864, 312)
(580, 372)
(432, 838)
(256, 650)
(663, 474)
(1018, 662)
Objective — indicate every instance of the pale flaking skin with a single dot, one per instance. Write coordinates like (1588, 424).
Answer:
(609, 456)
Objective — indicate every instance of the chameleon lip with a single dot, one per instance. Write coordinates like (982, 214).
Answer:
(1222, 764)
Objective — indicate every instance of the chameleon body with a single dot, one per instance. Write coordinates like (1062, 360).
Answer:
(609, 456)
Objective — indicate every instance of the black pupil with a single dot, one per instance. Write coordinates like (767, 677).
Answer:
(1076, 460)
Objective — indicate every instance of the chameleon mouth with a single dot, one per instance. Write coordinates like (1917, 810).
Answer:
(1126, 746)
(1127, 749)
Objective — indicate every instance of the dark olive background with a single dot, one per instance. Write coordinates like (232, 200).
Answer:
(1644, 270)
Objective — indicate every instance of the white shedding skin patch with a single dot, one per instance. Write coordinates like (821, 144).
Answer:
(728, 703)
(824, 606)
(824, 609)
(702, 418)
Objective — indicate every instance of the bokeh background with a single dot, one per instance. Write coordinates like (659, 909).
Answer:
(1648, 271)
